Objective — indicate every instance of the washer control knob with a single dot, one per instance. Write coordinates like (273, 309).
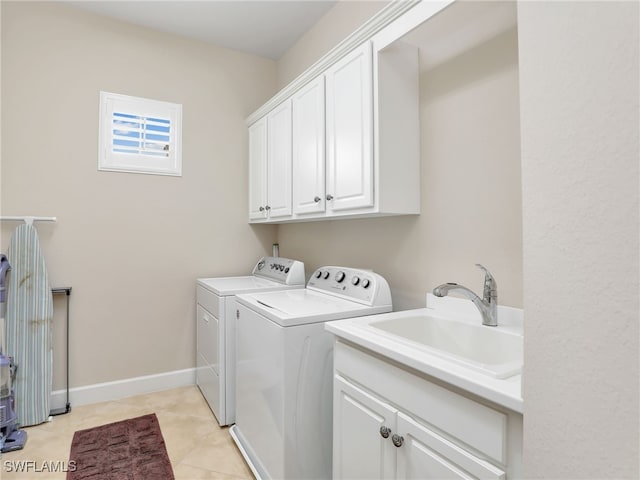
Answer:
(339, 277)
(355, 280)
(318, 273)
(365, 283)
(326, 275)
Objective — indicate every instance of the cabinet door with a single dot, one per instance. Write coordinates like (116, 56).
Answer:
(350, 131)
(359, 450)
(426, 455)
(279, 161)
(258, 170)
(308, 148)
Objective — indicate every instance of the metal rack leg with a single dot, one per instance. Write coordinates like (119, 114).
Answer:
(67, 408)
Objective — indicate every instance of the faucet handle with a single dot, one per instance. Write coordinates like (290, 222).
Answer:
(490, 285)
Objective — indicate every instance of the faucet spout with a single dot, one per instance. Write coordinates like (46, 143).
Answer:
(488, 305)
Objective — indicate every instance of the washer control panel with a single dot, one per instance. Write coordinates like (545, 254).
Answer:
(279, 269)
(363, 286)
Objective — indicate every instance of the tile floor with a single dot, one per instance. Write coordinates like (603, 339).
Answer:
(198, 448)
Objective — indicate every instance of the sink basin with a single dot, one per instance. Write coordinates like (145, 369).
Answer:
(485, 349)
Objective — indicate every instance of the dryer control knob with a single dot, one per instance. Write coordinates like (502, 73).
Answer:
(365, 283)
(355, 280)
(339, 277)
(318, 273)
(326, 275)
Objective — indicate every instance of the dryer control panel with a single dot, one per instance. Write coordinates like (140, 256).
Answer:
(358, 285)
(279, 269)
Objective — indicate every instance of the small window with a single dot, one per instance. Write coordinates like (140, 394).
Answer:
(139, 135)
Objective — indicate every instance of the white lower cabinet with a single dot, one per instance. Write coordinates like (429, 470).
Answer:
(359, 451)
(424, 454)
(391, 424)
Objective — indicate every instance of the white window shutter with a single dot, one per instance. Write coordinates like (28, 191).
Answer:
(139, 135)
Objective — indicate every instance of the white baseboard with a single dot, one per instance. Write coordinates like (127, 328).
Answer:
(129, 387)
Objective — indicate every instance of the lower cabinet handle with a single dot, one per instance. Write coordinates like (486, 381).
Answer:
(261, 209)
(267, 207)
(329, 197)
(385, 431)
(397, 440)
(316, 199)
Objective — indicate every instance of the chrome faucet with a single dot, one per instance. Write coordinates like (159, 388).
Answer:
(488, 305)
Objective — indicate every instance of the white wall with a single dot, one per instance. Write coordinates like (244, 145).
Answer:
(579, 108)
(130, 245)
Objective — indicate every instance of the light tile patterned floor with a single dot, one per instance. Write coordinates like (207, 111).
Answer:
(198, 448)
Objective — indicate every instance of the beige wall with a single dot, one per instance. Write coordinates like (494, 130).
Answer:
(345, 17)
(579, 104)
(580, 151)
(471, 194)
(130, 245)
(2, 249)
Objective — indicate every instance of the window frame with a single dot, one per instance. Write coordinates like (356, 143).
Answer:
(144, 108)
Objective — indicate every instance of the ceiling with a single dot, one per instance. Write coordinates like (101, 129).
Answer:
(263, 27)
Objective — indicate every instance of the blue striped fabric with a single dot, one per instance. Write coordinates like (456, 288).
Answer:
(28, 326)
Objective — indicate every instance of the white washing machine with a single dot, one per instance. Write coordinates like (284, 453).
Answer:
(284, 370)
(216, 325)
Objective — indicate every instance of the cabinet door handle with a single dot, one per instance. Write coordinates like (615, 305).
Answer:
(261, 209)
(267, 208)
(385, 431)
(329, 197)
(205, 317)
(316, 199)
(397, 440)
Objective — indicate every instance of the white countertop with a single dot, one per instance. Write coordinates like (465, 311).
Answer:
(505, 392)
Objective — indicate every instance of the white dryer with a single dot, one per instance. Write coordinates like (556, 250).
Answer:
(216, 322)
(284, 370)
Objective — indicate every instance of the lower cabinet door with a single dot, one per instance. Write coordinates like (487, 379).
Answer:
(359, 449)
(424, 454)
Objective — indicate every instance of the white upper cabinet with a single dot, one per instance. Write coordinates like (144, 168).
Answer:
(353, 142)
(354, 129)
(349, 108)
(258, 170)
(279, 161)
(270, 165)
(309, 148)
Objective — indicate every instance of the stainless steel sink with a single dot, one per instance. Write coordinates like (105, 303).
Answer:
(485, 349)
